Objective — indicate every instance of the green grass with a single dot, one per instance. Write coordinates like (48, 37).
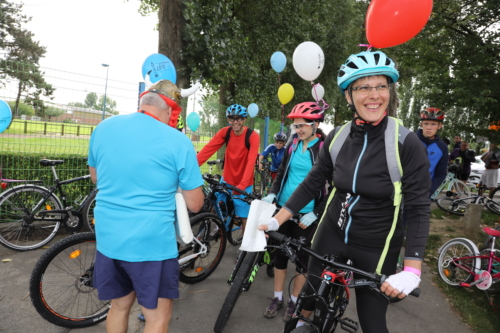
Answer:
(438, 213)
(489, 218)
(45, 145)
(37, 127)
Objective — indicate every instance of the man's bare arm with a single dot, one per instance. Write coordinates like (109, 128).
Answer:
(194, 199)
(93, 174)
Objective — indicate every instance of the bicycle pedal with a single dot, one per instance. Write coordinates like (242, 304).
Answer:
(349, 325)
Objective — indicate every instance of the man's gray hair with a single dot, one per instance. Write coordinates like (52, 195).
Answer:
(153, 99)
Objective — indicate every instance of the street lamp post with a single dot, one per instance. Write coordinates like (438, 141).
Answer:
(105, 90)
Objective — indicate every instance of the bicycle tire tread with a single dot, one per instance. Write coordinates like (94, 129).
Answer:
(235, 291)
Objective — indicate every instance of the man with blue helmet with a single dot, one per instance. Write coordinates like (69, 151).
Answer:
(242, 148)
(378, 167)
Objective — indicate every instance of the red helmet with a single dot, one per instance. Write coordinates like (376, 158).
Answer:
(307, 110)
(432, 114)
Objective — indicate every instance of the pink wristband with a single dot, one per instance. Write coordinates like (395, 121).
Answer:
(412, 270)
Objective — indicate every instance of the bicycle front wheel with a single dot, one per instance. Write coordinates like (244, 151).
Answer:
(257, 183)
(454, 206)
(454, 263)
(88, 212)
(22, 228)
(236, 288)
(61, 287)
(199, 259)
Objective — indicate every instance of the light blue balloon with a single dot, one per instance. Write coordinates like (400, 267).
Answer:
(5, 115)
(278, 61)
(252, 110)
(159, 67)
(193, 121)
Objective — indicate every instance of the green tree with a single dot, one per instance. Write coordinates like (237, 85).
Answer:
(22, 55)
(91, 100)
(22, 108)
(52, 111)
(209, 113)
(454, 64)
(110, 105)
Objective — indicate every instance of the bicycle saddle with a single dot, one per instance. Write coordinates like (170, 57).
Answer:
(45, 162)
(492, 232)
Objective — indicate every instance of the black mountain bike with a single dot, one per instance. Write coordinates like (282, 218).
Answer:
(30, 214)
(332, 297)
(61, 284)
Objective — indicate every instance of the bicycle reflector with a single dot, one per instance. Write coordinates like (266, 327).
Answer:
(75, 254)
(446, 272)
(48, 207)
(4, 185)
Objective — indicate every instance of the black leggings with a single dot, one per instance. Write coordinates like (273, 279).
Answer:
(292, 229)
(371, 306)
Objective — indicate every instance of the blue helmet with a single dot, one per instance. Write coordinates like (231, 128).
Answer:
(364, 64)
(236, 110)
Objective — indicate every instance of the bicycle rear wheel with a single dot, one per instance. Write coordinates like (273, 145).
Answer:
(206, 251)
(235, 231)
(453, 264)
(236, 288)
(257, 183)
(61, 287)
(493, 207)
(88, 212)
(23, 229)
(454, 206)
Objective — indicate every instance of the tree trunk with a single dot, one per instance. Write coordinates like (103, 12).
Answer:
(18, 98)
(170, 27)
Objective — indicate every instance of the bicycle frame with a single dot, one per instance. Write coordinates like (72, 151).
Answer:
(449, 180)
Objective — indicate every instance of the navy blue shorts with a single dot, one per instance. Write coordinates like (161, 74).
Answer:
(149, 279)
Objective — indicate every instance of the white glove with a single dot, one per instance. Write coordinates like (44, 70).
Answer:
(308, 219)
(403, 281)
(269, 198)
(272, 224)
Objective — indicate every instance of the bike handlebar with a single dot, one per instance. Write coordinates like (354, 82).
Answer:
(211, 179)
(287, 242)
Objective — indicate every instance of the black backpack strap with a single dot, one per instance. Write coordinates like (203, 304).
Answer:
(247, 138)
(228, 134)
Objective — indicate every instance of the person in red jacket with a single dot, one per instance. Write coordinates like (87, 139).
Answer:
(239, 161)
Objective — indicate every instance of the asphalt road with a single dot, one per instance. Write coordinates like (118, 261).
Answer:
(199, 305)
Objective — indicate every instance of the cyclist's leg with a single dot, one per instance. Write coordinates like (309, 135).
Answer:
(371, 306)
(117, 320)
(241, 208)
(157, 320)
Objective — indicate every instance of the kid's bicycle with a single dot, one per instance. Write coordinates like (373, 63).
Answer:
(262, 179)
(454, 187)
(458, 206)
(30, 214)
(61, 284)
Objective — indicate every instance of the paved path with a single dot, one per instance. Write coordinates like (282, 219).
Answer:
(199, 305)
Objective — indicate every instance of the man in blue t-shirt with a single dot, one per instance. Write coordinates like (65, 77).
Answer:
(138, 170)
(276, 150)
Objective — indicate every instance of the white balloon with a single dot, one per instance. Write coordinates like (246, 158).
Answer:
(318, 92)
(308, 60)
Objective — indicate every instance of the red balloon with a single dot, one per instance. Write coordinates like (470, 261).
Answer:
(393, 22)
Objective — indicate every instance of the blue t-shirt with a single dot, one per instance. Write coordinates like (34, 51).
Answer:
(140, 163)
(276, 156)
(299, 166)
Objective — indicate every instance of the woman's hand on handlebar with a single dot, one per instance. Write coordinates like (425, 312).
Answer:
(271, 225)
(400, 284)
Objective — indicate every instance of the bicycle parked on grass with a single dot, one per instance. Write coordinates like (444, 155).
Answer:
(462, 264)
(454, 187)
(458, 206)
(31, 214)
(61, 284)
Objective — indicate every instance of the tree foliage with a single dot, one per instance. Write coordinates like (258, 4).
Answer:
(22, 108)
(453, 64)
(22, 55)
(230, 43)
(52, 111)
(92, 101)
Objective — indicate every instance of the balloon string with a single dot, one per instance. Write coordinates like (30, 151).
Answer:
(325, 106)
(282, 107)
(369, 46)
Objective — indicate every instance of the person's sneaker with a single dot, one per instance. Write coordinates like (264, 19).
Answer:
(272, 309)
(289, 310)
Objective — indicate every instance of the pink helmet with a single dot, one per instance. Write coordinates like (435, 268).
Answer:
(307, 110)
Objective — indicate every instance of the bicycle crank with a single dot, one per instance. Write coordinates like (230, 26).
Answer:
(349, 325)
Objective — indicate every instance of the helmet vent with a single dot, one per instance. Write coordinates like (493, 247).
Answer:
(376, 56)
(387, 62)
(341, 73)
(352, 65)
(363, 57)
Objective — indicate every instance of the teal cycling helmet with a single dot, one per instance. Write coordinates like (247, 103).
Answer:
(364, 64)
(236, 110)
